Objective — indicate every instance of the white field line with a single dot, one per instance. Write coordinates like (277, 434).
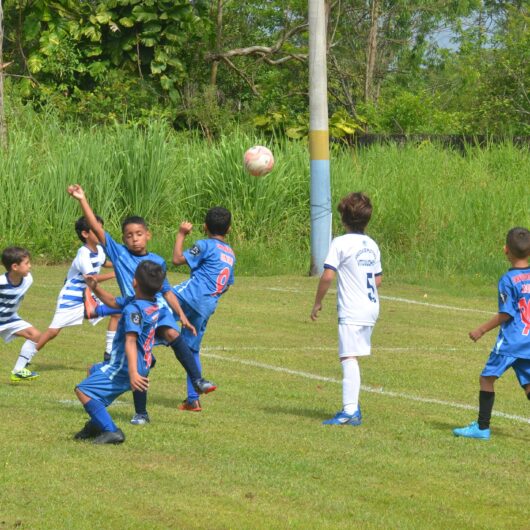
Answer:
(334, 349)
(395, 299)
(389, 393)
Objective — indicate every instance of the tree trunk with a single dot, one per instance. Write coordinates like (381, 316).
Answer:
(371, 53)
(218, 41)
(3, 128)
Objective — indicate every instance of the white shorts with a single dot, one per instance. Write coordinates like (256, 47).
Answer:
(71, 316)
(7, 331)
(354, 340)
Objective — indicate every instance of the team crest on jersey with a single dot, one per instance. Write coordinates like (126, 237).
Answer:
(136, 318)
(195, 250)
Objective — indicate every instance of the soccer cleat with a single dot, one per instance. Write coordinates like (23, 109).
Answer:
(90, 430)
(90, 304)
(472, 431)
(23, 375)
(202, 386)
(109, 437)
(193, 405)
(341, 418)
(140, 419)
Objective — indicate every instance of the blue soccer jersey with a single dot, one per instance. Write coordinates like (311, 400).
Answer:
(212, 270)
(514, 299)
(125, 264)
(139, 317)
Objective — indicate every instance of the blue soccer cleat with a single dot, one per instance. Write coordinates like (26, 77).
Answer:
(341, 418)
(140, 419)
(472, 431)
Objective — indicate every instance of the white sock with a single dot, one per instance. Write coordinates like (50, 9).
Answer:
(27, 352)
(108, 341)
(351, 385)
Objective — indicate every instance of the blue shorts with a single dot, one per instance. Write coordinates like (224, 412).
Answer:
(166, 318)
(498, 364)
(199, 322)
(100, 387)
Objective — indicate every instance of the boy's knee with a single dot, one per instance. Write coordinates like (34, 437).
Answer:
(170, 334)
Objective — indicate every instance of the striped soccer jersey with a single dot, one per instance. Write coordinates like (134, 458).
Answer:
(11, 297)
(85, 262)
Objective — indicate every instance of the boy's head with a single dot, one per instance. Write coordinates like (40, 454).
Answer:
(16, 259)
(218, 220)
(149, 277)
(135, 234)
(355, 211)
(81, 225)
(518, 242)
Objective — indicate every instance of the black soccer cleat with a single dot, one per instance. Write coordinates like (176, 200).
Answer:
(202, 386)
(90, 430)
(109, 437)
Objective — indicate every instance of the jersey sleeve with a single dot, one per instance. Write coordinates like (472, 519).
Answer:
(378, 268)
(83, 263)
(507, 297)
(195, 254)
(132, 318)
(332, 260)
(111, 248)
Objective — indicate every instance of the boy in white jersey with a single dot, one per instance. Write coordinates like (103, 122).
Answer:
(14, 284)
(356, 259)
(70, 306)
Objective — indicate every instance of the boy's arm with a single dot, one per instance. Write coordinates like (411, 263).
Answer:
(137, 381)
(323, 285)
(178, 256)
(497, 320)
(104, 296)
(378, 280)
(76, 191)
(104, 277)
(173, 302)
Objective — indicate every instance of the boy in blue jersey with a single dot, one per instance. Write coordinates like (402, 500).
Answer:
(512, 348)
(125, 259)
(89, 259)
(131, 355)
(212, 263)
(14, 284)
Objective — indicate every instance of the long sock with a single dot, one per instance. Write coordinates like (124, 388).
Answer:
(105, 311)
(185, 357)
(140, 402)
(99, 415)
(28, 350)
(351, 385)
(108, 341)
(485, 406)
(192, 393)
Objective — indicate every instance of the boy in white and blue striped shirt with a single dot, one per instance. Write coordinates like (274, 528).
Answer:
(70, 306)
(14, 284)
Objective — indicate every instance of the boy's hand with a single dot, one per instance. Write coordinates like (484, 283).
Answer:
(315, 310)
(76, 191)
(138, 382)
(185, 228)
(91, 282)
(187, 324)
(476, 334)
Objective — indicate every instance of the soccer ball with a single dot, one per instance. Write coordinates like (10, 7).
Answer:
(258, 161)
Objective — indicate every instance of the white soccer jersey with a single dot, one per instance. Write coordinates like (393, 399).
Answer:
(357, 261)
(85, 262)
(11, 297)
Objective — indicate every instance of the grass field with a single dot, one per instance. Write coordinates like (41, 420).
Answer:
(258, 456)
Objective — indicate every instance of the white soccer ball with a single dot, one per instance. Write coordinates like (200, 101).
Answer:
(258, 161)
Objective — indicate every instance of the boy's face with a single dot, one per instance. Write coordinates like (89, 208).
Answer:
(23, 268)
(90, 238)
(135, 238)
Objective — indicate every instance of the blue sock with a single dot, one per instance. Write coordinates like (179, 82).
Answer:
(186, 358)
(105, 311)
(192, 393)
(140, 402)
(99, 415)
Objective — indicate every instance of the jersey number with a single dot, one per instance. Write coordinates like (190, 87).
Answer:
(222, 280)
(371, 287)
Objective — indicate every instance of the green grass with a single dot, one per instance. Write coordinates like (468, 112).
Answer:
(258, 456)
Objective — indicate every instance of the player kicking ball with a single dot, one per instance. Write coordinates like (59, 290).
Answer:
(131, 354)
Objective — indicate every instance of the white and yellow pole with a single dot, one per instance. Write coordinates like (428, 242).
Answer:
(319, 137)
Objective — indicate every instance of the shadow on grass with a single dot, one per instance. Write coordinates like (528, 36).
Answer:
(518, 433)
(295, 411)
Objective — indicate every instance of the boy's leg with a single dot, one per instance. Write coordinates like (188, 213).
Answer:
(111, 333)
(351, 385)
(192, 403)
(486, 400)
(28, 350)
(140, 408)
(47, 336)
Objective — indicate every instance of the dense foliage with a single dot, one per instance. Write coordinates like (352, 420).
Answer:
(449, 66)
